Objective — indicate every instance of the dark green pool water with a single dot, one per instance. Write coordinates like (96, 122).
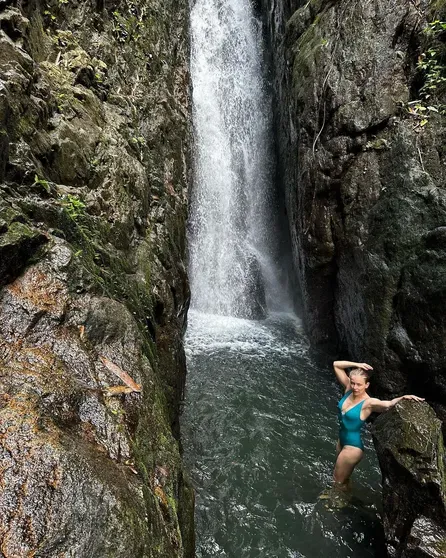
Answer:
(259, 430)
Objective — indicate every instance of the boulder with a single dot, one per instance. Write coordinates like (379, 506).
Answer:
(409, 444)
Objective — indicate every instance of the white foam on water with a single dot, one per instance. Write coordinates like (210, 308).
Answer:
(207, 333)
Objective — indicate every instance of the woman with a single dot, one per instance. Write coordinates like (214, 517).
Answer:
(354, 409)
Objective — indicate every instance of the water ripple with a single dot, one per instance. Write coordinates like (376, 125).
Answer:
(259, 431)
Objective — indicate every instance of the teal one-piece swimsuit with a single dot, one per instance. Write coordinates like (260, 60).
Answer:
(350, 424)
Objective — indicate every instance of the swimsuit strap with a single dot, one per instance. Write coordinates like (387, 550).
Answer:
(357, 406)
(360, 409)
(347, 393)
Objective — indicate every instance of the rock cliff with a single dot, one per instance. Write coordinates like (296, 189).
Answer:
(360, 104)
(94, 143)
(365, 184)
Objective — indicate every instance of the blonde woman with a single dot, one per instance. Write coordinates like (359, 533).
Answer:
(353, 410)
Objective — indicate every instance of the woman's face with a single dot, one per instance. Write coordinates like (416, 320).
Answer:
(358, 384)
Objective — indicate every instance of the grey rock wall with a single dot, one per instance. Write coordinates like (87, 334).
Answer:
(364, 185)
(94, 171)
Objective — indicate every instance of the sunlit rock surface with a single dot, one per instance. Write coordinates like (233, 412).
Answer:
(94, 142)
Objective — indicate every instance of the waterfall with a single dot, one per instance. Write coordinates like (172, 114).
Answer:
(234, 235)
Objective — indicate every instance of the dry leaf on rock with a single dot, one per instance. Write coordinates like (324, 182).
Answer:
(121, 374)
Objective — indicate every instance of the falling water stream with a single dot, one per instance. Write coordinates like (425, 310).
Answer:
(234, 247)
(259, 425)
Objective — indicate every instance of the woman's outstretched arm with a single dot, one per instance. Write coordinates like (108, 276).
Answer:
(378, 406)
(340, 367)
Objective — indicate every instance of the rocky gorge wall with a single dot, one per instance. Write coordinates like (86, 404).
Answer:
(94, 173)
(364, 184)
(360, 138)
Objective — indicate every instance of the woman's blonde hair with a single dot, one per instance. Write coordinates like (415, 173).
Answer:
(360, 372)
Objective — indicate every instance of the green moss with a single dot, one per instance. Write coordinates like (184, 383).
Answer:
(105, 271)
(186, 516)
(438, 9)
(441, 465)
(16, 233)
(310, 42)
(378, 144)
(157, 458)
(61, 84)
(37, 39)
(317, 5)
(109, 256)
(308, 56)
(8, 215)
(440, 547)
(26, 125)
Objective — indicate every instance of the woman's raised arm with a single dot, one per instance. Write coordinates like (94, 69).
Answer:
(378, 406)
(340, 367)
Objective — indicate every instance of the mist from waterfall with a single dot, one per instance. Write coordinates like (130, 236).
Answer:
(234, 233)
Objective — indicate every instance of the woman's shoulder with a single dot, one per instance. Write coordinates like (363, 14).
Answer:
(369, 401)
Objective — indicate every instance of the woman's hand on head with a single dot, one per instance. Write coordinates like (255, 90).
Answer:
(365, 366)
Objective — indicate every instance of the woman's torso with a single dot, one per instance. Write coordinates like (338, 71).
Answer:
(350, 422)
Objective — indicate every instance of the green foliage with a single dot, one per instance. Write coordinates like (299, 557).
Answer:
(432, 66)
(41, 182)
(421, 111)
(62, 102)
(434, 72)
(435, 27)
(138, 140)
(110, 273)
(73, 206)
(139, 143)
(377, 144)
(127, 28)
(49, 15)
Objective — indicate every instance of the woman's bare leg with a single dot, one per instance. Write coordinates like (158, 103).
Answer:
(348, 458)
(338, 448)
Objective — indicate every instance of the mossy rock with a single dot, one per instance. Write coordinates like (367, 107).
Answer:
(92, 291)
(412, 435)
(410, 450)
(18, 245)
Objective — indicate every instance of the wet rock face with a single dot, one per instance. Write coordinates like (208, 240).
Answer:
(94, 141)
(410, 448)
(364, 185)
(255, 289)
(251, 302)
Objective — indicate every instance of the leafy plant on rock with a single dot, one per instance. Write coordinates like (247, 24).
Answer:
(73, 206)
(42, 182)
(432, 66)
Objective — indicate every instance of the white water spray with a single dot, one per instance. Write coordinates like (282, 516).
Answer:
(233, 234)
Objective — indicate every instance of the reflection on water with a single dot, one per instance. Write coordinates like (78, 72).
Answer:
(259, 431)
